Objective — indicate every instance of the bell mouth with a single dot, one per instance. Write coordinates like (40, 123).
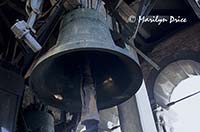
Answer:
(57, 79)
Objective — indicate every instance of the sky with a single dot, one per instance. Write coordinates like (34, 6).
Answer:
(187, 112)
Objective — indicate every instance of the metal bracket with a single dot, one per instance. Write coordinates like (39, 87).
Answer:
(36, 6)
(21, 31)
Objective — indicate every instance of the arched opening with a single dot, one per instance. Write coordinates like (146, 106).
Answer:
(187, 110)
(169, 78)
(174, 83)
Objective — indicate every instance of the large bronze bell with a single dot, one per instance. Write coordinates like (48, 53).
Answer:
(56, 76)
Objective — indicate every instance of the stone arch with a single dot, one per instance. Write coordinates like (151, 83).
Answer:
(171, 76)
(184, 45)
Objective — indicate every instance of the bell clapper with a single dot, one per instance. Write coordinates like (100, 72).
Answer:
(89, 113)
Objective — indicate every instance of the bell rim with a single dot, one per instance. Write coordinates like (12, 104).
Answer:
(56, 52)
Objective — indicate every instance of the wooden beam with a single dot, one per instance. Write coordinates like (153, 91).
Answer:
(125, 11)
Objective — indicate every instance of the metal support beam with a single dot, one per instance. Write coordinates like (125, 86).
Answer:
(136, 114)
(145, 111)
(129, 117)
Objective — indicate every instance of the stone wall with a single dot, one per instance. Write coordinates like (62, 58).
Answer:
(181, 45)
